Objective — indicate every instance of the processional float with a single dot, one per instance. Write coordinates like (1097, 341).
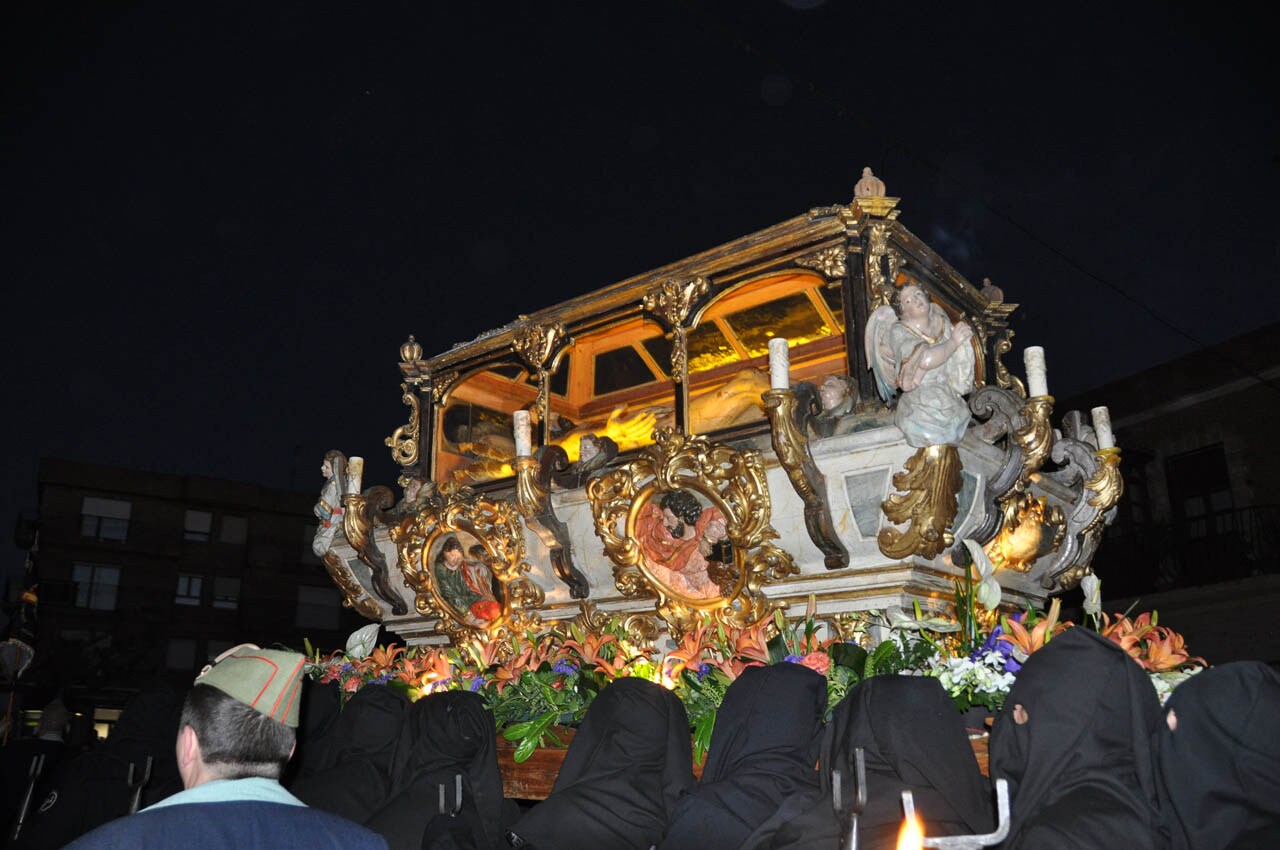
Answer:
(814, 414)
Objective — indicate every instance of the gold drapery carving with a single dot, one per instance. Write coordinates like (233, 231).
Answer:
(927, 505)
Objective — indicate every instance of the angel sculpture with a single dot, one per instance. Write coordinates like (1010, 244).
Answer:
(913, 348)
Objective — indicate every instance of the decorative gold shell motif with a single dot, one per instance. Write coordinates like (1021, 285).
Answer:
(496, 527)
(729, 479)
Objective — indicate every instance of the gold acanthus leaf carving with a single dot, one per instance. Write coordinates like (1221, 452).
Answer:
(829, 261)
(673, 299)
(880, 287)
(1106, 486)
(1035, 437)
(353, 595)
(534, 343)
(404, 440)
(927, 505)
(440, 385)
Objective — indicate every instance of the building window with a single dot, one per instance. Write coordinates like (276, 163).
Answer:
(188, 589)
(96, 586)
(318, 607)
(226, 592)
(197, 526)
(181, 654)
(234, 530)
(105, 519)
(1200, 492)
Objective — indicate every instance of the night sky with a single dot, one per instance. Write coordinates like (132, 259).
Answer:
(219, 224)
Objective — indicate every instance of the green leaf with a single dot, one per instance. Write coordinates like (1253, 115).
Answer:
(702, 734)
(517, 730)
(525, 749)
(777, 649)
(849, 655)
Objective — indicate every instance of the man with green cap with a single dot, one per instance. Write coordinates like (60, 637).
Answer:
(236, 734)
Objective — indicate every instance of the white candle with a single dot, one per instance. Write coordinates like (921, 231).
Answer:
(779, 364)
(524, 436)
(1037, 375)
(1102, 427)
(355, 474)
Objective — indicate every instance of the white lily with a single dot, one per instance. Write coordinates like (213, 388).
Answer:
(363, 640)
(1092, 587)
(899, 619)
(989, 590)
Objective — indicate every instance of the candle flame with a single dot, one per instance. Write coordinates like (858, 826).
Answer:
(911, 836)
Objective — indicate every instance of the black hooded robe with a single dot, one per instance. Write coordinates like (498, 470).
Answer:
(913, 740)
(1080, 769)
(1218, 772)
(763, 750)
(624, 770)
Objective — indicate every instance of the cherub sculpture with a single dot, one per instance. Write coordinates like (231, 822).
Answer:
(914, 349)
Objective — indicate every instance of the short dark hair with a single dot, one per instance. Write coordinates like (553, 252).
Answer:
(683, 504)
(235, 740)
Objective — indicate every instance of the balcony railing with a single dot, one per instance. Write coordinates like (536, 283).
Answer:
(1221, 546)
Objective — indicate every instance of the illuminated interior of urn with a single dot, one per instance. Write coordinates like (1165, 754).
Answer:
(1017, 546)
(728, 365)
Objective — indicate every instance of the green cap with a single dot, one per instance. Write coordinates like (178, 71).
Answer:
(267, 680)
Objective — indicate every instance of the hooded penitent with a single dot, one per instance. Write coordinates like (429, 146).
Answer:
(1219, 769)
(445, 735)
(356, 784)
(624, 770)
(763, 750)
(1079, 767)
(913, 740)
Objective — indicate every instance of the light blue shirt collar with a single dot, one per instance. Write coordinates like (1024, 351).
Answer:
(253, 789)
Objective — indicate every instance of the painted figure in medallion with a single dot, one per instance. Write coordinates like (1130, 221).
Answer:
(914, 348)
(328, 509)
(466, 584)
(685, 545)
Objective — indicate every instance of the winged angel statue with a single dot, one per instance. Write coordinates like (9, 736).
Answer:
(914, 349)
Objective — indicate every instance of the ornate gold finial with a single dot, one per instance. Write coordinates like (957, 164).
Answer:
(410, 350)
(869, 195)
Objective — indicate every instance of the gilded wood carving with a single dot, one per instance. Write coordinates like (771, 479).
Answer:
(687, 522)
(464, 558)
(927, 505)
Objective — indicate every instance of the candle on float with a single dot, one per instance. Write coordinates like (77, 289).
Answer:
(355, 474)
(911, 836)
(1102, 427)
(1037, 375)
(523, 433)
(779, 364)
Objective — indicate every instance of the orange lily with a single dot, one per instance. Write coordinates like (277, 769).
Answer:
(383, 657)
(589, 651)
(688, 653)
(752, 643)
(1026, 642)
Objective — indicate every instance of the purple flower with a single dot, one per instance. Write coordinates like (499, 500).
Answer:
(703, 670)
(478, 682)
(1003, 647)
(346, 667)
(381, 680)
(794, 659)
(566, 668)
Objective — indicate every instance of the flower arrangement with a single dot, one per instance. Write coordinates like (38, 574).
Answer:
(536, 682)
